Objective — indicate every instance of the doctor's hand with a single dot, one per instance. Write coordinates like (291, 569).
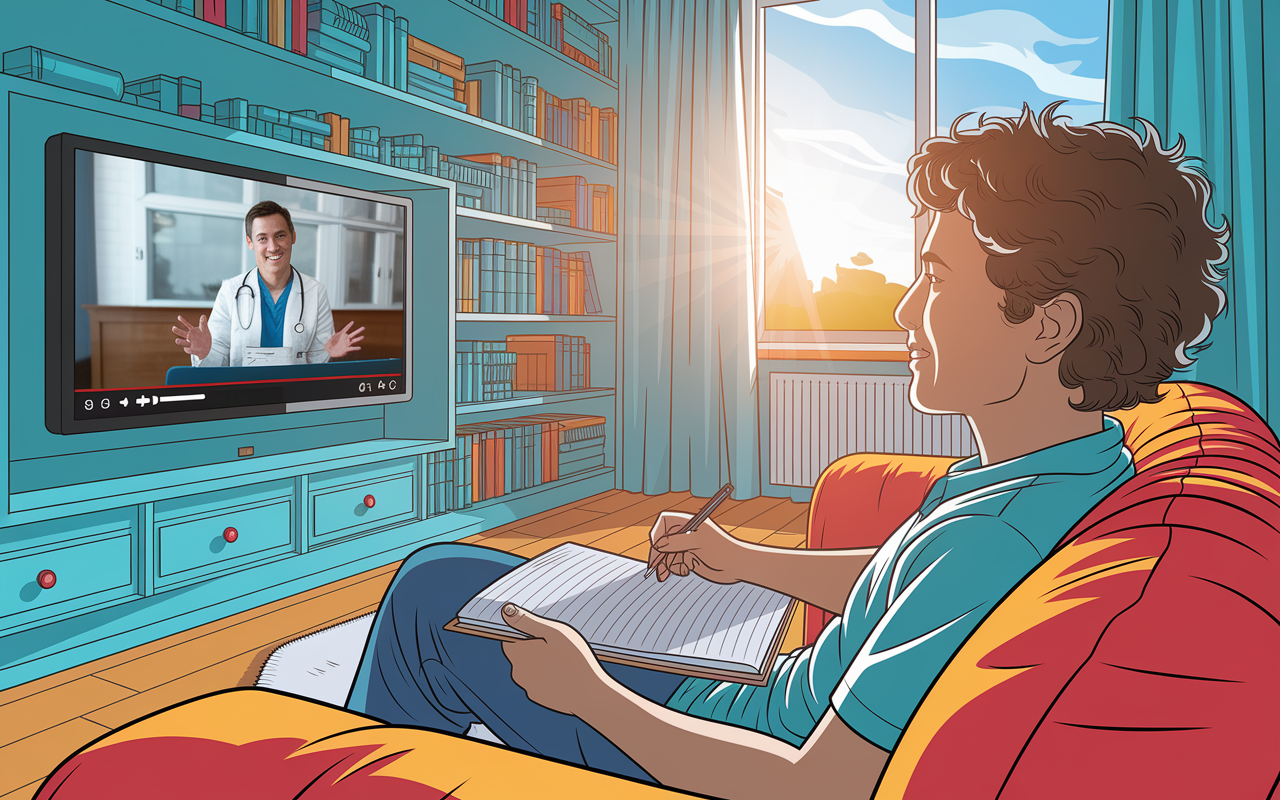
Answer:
(344, 341)
(196, 340)
(556, 667)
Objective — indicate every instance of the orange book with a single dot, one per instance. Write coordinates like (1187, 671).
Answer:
(537, 369)
(593, 132)
(275, 22)
(440, 54)
(338, 140)
(477, 472)
(540, 304)
(471, 95)
(586, 365)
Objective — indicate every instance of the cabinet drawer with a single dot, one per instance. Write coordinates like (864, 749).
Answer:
(343, 512)
(194, 548)
(84, 574)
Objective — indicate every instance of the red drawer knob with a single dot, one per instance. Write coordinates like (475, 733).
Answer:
(230, 534)
(369, 501)
(46, 579)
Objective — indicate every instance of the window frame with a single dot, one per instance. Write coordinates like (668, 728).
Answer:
(925, 125)
(331, 228)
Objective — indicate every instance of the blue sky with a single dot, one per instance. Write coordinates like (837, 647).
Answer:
(839, 95)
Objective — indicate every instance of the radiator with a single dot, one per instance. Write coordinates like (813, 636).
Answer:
(815, 419)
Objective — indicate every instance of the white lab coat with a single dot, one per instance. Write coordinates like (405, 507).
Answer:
(230, 337)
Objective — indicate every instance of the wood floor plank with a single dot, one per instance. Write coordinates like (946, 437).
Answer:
(221, 675)
(768, 522)
(746, 511)
(24, 793)
(39, 712)
(564, 521)
(33, 758)
(145, 673)
(610, 502)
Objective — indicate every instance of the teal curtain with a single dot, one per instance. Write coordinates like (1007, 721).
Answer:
(1198, 68)
(687, 395)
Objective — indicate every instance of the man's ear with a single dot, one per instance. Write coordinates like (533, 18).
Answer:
(1059, 322)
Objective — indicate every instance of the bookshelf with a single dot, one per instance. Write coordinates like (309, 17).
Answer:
(72, 521)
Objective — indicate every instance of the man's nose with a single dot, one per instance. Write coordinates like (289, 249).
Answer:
(907, 314)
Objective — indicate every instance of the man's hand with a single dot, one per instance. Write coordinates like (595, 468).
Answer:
(344, 341)
(555, 668)
(708, 550)
(195, 340)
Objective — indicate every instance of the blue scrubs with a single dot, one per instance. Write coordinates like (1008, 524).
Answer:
(273, 312)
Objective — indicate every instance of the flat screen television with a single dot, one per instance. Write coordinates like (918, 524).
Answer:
(137, 238)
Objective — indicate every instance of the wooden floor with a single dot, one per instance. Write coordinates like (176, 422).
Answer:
(44, 721)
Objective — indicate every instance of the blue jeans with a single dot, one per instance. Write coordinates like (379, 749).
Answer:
(415, 673)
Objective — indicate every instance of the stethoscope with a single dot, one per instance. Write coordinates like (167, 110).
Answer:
(253, 300)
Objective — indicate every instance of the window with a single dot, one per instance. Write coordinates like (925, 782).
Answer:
(843, 116)
(180, 233)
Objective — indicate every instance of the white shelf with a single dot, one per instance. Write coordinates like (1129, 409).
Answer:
(528, 399)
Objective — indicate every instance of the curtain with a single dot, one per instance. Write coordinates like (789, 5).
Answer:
(688, 405)
(1196, 68)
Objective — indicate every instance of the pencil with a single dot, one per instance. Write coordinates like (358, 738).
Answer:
(699, 518)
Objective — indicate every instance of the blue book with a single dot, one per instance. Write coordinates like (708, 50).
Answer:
(435, 97)
(40, 65)
(339, 21)
(418, 71)
(489, 73)
(486, 276)
(338, 47)
(188, 91)
(232, 113)
(142, 102)
(389, 45)
(161, 88)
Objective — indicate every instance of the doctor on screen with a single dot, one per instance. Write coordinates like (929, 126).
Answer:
(272, 315)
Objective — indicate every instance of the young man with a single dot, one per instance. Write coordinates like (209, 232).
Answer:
(264, 312)
(1066, 272)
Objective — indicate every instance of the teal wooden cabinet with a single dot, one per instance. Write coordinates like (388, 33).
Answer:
(198, 537)
(354, 501)
(49, 571)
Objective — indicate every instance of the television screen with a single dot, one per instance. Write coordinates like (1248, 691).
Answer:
(183, 290)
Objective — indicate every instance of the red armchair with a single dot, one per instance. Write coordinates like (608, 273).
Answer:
(1139, 660)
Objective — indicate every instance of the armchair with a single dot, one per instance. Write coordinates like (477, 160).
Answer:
(1138, 660)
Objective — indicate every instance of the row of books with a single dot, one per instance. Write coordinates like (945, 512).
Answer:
(497, 276)
(510, 98)
(494, 370)
(589, 206)
(484, 371)
(556, 26)
(497, 458)
(486, 181)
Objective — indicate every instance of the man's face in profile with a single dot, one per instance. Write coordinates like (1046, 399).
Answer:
(272, 243)
(964, 354)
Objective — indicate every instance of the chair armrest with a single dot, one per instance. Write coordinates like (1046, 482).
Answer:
(249, 743)
(860, 500)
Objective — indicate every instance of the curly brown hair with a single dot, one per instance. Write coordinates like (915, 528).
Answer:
(1099, 211)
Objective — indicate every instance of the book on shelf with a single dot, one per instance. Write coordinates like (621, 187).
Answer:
(338, 140)
(549, 362)
(388, 58)
(568, 193)
(336, 35)
(684, 625)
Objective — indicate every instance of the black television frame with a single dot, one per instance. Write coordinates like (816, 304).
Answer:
(60, 282)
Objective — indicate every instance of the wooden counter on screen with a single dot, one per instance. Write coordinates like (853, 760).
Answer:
(133, 345)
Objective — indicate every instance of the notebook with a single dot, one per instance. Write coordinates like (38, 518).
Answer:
(686, 625)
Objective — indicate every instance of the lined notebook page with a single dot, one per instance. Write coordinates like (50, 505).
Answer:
(608, 600)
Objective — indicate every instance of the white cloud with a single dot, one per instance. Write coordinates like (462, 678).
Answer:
(815, 139)
(969, 37)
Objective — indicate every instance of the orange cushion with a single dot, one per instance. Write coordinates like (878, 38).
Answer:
(255, 744)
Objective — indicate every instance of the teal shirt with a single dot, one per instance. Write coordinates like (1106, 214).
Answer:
(980, 531)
